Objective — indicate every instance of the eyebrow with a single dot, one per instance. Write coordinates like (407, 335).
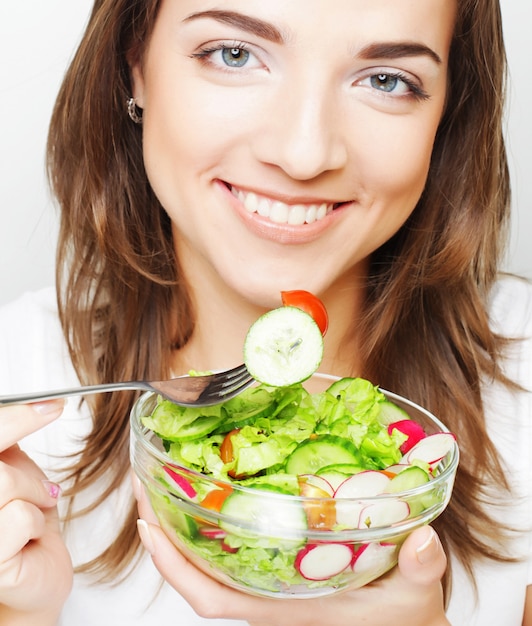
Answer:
(386, 50)
(244, 22)
(397, 50)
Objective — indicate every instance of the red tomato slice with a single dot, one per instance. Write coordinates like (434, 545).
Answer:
(309, 303)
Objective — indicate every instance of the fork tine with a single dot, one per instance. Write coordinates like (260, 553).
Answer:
(235, 372)
(227, 384)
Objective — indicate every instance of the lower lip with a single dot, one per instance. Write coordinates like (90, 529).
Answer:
(285, 234)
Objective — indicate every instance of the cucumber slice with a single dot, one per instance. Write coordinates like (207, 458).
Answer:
(255, 518)
(312, 455)
(390, 413)
(171, 517)
(409, 478)
(336, 388)
(283, 347)
(336, 473)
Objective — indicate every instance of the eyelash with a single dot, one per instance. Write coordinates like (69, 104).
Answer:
(416, 92)
(203, 55)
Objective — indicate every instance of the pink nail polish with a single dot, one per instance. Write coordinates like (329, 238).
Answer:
(53, 489)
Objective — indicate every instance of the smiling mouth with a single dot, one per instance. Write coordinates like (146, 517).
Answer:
(282, 213)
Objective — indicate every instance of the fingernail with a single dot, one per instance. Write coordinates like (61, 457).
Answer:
(52, 488)
(49, 407)
(145, 536)
(428, 550)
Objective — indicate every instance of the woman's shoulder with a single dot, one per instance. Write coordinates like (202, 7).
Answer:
(510, 306)
(32, 349)
(29, 306)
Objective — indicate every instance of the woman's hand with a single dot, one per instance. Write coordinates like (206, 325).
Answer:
(411, 595)
(35, 567)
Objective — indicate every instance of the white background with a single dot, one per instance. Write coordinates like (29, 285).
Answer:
(37, 38)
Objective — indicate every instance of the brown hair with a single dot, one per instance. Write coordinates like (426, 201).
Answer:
(426, 330)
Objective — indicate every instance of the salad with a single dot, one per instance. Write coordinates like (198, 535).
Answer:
(333, 450)
(281, 490)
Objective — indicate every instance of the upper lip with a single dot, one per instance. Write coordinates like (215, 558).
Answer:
(287, 199)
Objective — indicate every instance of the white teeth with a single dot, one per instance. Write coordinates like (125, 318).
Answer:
(281, 213)
(263, 208)
(251, 202)
(322, 212)
(297, 215)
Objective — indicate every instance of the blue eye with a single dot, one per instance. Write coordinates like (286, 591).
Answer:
(385, 82)
(235, 57)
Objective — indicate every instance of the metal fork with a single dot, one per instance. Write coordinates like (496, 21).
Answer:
(185, 390)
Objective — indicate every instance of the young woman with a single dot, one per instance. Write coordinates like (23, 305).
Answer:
(205, 156)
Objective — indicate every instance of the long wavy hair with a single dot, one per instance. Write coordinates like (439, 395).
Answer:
(426, 327)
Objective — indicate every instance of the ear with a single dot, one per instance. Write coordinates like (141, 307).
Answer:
(137, 77)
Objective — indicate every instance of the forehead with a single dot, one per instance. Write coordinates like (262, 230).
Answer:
(343, 22)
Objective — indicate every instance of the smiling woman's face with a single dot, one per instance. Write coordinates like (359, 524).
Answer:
(288, 140)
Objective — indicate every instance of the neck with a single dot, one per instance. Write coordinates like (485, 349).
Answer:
(223, 317)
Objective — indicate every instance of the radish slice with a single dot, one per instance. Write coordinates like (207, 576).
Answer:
(374, 559)
(307, 481)
(385, 513)
(212, 532)
(348, 513)
(363, 485)
(397, 468)
(321, 561)
(227, 548)
(411, 429)
(180, 484)
(432, 449)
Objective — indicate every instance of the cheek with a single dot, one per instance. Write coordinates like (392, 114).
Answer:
(396, 159)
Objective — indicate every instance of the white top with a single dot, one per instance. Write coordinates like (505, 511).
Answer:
(33, 357)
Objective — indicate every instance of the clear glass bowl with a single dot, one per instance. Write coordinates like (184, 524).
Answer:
(265, 544)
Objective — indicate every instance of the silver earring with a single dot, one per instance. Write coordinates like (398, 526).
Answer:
(134, 112)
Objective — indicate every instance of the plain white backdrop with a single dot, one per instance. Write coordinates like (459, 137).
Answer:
(37, 39)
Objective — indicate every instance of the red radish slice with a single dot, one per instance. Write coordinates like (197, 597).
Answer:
(212, 532)
(180, 484)
(321, 561)
(348, 513)
(411, 429)
(306, 481)
(363, 485)
(227, 548)
(385, 513)
(432, 449)
(374, 558)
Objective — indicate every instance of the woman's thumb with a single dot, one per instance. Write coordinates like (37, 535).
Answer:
(422, 559)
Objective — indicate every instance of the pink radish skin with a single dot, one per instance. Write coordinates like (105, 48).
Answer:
(363, 485)
(374, 558)
(317, 481)
(321, 561)
(212, 532)
(385, 513)
(348, 513)
(227, 548)
(411, 429)
(432, 449)
(180, 484)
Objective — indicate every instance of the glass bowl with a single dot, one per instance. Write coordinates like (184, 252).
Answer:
(269, 543)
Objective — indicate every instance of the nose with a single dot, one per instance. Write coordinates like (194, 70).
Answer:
(303, 133)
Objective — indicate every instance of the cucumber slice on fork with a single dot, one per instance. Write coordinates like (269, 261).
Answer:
(283, 347)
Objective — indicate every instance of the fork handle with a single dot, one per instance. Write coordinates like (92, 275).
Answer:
(27, 398)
